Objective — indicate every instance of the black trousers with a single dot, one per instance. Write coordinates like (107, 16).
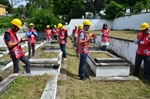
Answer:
(31, 47)
(16, 64)
(138, 61)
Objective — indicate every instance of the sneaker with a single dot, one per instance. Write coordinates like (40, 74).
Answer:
(64, 59)
(83, 78)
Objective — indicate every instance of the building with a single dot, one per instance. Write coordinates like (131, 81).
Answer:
(3, 10)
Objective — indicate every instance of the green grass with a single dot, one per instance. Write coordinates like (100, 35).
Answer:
(100, 55)
(47, 54)
(27, 87)
(77, 89)
(124, 34)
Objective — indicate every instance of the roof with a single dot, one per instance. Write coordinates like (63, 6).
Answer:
(2, 6)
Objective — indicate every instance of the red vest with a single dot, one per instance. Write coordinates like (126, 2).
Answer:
(143, 45)
(83, 46)
(17, 49)
(55, 32)
(48, 33)
(62, 33)
(32, 38)
(75, 33)
(105, 35)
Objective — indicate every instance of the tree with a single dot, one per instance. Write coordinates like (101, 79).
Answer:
(43, 17)
(68, 9)
(114, 10)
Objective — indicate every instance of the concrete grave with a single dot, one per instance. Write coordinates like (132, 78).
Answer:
(46, 65)
(51, 48)
(113, 66)
(49, 91)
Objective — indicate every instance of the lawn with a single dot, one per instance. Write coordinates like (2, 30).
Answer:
(130, 35)
(77, 89)
(47, 54)
(100, 55)
(30, 87)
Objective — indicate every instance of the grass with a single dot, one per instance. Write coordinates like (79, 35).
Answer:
(77, 89)
(124, 34)
(26, 87)
(100, 55)
(47, 54)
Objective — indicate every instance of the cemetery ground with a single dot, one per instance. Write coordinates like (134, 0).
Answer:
(71, 87)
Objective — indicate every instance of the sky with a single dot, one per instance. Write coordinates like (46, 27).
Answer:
(22, 2)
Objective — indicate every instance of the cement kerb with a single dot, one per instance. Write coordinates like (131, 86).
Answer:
(49, 90)
(42, 61)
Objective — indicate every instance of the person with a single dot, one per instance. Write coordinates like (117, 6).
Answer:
(48, 34)
(83, 48)
(105, 37)
(78, 45)
(62, 40)
(143, 51)
(94, 37)
(75, 35)
(14, 47)
(55, 32)
(31, 34)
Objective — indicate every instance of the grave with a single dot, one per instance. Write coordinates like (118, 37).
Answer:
(108, 65)
(51, 48)
(41, 65)
(49, 92)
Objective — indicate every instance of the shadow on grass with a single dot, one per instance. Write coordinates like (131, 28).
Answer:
(69, 47)
(70, 74)
(73, 55)
(140, 75)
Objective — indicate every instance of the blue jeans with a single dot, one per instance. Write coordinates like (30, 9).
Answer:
(75, 44)
(63, 49)
(104, 48)
(138, 61)
(82, 64)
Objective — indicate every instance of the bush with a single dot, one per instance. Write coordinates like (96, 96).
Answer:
(5, 22)
(43, 17)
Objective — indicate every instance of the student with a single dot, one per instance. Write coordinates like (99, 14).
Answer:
(83, 48)
(31, 34)
(105, 37)
(14, 46)
(62, 39)
(55, 32)
(143, 51)
(48, 34)
(75, 35)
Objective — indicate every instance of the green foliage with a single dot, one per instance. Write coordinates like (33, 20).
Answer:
(114, 10)
(43, 17)
(68, 8)
(5, 22)
(138, 7)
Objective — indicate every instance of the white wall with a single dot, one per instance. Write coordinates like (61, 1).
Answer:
(128, 22)
(131, 22)
(96, 24)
